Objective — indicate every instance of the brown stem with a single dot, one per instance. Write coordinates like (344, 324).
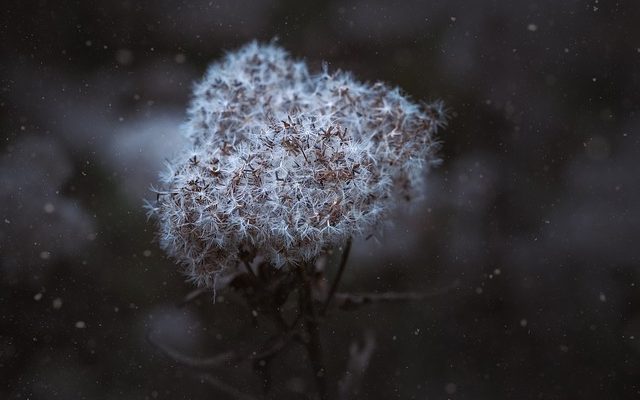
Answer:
(336, 280)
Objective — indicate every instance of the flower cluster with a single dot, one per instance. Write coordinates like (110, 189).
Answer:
(284, 163)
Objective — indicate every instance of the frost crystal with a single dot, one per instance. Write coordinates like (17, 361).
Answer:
(286, 164)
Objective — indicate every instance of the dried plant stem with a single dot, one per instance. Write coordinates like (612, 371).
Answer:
(267, 293)
(334, 286)
(352, 300)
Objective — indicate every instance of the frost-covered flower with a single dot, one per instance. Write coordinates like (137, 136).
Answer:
(284, 163)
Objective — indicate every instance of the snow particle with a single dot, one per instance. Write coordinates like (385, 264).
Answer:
(450, 388)
(57, 303)
(124, 56)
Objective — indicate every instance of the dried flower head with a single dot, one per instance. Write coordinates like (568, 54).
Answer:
(285, 164)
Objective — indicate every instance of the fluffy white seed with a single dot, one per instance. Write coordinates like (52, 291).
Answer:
(285, 164)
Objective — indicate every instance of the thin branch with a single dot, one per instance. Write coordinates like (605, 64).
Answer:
(277, 344)
(194, 362)
(336, 280)
(352, 300)
(193, 295)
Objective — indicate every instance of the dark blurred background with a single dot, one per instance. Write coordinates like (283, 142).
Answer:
(527, 237)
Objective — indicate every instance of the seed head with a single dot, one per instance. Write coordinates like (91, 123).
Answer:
(285, 164)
